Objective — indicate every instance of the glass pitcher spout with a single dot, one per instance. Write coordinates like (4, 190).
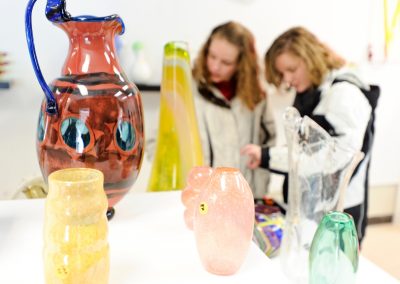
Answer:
(56, 12)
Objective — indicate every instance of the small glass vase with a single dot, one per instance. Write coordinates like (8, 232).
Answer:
(334, 251)
(224, 222)
(178, 142)
(76, 249)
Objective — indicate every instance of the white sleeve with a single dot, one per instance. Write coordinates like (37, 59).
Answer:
(278, 159)
(347, 109)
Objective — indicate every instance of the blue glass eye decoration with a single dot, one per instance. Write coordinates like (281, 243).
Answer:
(125, 136)
(75, 134)
(40, 127)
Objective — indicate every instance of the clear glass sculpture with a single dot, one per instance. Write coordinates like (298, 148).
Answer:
(75, 228)
(319, 171)
(178, 142)
(334, 251)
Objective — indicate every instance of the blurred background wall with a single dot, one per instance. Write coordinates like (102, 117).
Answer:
(355, 29)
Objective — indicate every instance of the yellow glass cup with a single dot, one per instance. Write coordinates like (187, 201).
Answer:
(76, 248)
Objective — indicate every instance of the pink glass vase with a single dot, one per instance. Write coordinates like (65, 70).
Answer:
(224, 221)
(196, 181)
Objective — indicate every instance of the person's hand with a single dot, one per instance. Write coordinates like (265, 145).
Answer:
(254, 154)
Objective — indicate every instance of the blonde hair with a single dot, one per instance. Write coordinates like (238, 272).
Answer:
(300, 42)
(248, 87)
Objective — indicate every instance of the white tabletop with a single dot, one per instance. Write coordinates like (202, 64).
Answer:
(149, 243)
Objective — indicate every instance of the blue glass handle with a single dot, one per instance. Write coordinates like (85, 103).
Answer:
(51, 107)
(55, 12)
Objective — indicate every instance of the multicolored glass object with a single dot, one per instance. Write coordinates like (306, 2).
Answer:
(224, 221)
(178, 143)
(268, 228)
(196, 182)
(92, 116)
(334, 251)
(76, 248)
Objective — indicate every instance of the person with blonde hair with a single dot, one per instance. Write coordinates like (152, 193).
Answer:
(331, 94)
(230, 102)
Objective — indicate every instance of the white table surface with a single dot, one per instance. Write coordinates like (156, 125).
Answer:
(149, 243)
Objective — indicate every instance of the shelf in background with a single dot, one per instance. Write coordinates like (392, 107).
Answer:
(148, 88)
(5, 84)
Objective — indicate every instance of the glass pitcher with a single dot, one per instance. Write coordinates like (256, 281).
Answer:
(92, 116)
(319, 171)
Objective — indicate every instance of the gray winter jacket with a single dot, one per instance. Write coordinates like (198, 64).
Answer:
(226, 126)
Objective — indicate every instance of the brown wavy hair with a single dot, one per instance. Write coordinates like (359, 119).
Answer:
(300, 42)
(248, 87)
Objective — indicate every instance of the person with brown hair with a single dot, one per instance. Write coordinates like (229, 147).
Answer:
(230, 102)
(332, 95)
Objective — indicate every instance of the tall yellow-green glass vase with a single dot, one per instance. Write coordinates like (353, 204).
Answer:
(76, 248)
(178, 142)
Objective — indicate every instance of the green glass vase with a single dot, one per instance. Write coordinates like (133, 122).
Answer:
(178, 142)
(334, 252)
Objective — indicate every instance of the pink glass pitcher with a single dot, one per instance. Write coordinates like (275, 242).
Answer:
(92, 116)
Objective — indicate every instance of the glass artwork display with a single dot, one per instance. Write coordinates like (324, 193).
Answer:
(178, 142)
(268, 228)
(224, 221)
(92, 115)
(196, 182)
(334, 251)
(319, 172)
(76, 248)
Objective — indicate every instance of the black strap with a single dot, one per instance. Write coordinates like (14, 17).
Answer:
(307, 101)
(372, 95)
(209, 96)
(209, 144)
